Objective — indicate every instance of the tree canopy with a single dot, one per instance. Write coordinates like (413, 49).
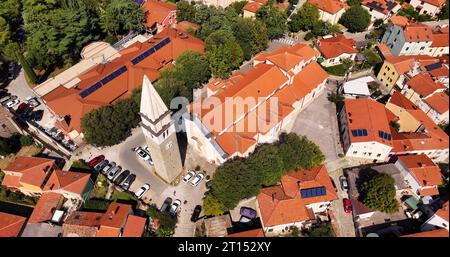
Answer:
(305, 19)
(355, 19)
(241, 178)
(121, 16)
(223, 52)
(378, 193)
(274, 19)
(250, 35)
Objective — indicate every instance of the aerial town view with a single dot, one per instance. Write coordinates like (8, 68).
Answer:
(224, 118)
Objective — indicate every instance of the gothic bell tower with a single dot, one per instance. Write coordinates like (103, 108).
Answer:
(160, 133)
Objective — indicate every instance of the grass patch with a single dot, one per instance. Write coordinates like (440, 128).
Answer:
(79, 166)
(124, 197)
(16, 197)
(100, 187)
(337, 70)
(320, 230)
(96, 204)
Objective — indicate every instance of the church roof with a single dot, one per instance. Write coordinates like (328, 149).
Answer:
(152, 106)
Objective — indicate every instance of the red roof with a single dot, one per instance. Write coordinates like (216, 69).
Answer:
(440, 38)
(365, 113)
(113, 220)
(424, 85)
(433, 233)
(284, 204)
(45, 207)
(438, 101)
(74, 182)
(134, 227)
(404, 63)
(85, 219)
(401, 21)
(249, 233)
(418, 32)
(336, 46)
(157, 11)
(423, 169)
(11, 225)
(438, 3)
(33, 170)
(443, 212)
(253, 6)
(67, 103)
(329, 6)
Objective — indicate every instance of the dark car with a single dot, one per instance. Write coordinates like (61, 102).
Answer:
(21, 108)
(196, 213)
(347, 206)
(208, 184)
(96, 160)
(101, 165)
(37, 115)
(128, 182)
(122, 176)
(166, 205)
(248, 212)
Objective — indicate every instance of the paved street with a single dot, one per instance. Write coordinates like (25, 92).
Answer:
(319, 123)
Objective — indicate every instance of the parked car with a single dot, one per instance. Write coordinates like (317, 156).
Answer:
(347, 206)
(100, 165)
(141, 153)
(198, 178)
(37, 115)
(248, 212)
(142, 191)
(113, 172)
(12, 103)
(21, 108)
(344, 184)
(188, 176)
(208, 184)
(33, 101)
(121, 177)
(128, 182)
(244, 219)
(196, 213)
(5, 98)
(166, 205)
(94, 161)
(174, 207)
(108, 167)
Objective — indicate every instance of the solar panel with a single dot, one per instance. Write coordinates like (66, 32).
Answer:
(385, 135)
(359, 132)
(433, 66)
(102, 82)
(150, 51)
(313, 192)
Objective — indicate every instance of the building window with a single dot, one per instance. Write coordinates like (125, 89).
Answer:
(406, 49)
(379, 155)
(422, 48)
(355, 152)
(384, 74)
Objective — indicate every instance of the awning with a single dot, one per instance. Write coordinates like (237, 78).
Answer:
(412, 202)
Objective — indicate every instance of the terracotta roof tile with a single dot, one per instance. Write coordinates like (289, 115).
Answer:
(253, 6)
(433, 233)
(34, 170)
(423, 169)
(134, 227)
(283, 204)
(336, 46)
(443, 212)
(11, 225)
(416, 32)
(116, 215)
(440, 40)
(329, 6)
(438, 3)
(156, 11)
(45, 207)
(249, 233)
(424, 85)
(74, 182)
(398, 20)
(438, 101)
(11, 181)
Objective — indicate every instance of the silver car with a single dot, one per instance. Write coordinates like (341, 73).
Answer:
(108, 167)
(114, 171)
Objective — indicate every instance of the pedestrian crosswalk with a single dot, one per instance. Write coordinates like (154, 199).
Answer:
(287, 41)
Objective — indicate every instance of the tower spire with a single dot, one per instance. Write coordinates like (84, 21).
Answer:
(152, 106)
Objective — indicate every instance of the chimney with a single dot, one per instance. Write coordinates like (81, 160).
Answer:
(299, 183)
(273, 196)
(420, 164)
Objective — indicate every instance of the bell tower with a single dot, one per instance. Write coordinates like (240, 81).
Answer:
(160, 133)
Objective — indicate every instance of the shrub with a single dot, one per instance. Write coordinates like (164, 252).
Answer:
(308, 36)
(26, 140)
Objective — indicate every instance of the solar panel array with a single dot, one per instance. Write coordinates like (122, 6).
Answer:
(150, 51)
(359, 132)
(385, 135)
(102, 82)
(313, 192)
(433, 66)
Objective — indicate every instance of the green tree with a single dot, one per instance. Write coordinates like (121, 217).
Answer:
(267, 161)
(443, 15)
(212, 206)
(355, 19)
(26, 140)
(321, 230)
(4, 32)
(185, 11)
(223, 52)
(251, 35)
(122, 16)
(354, 2)
(305, 19)
(12, 52)
(290, 147)
(378, 193)
(238, 6)
(274, 19)
(335, 98)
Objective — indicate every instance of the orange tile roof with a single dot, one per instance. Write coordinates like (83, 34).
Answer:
(105, 231)
(443, 212)
(438, 101)
(68, 104)
(438, 3)
(404, 64)
(116, 215)
(11, 225)
(74, 182)
(253, 7)
(423, 169)
(429, 191)
(34, 170)
(45, 207)
(440, 40)
(433, 138)
(134, 227)
(11, 181)
(249, 233)
(85, 219)
(418, 32)
(382, 6)
(398, 20)
(424, 85)
(157, 11)
(365, 113)
(433, 233)
(329, 6)
(283, 204)
(335, 46)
